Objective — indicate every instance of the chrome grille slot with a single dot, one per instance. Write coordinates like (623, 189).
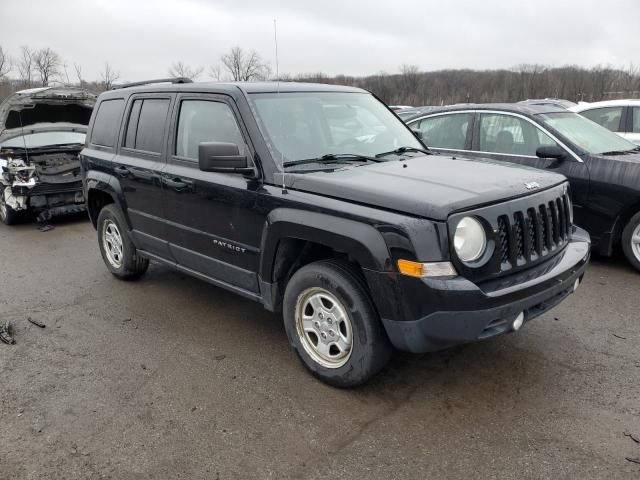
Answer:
(503, 240)
(532, 233)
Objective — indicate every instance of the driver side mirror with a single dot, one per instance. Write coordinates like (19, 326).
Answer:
(552, 151)
(417, 134)
(222, 157)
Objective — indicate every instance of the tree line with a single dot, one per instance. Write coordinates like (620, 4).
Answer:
(31, 67)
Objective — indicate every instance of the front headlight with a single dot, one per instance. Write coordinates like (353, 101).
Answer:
(469, 240)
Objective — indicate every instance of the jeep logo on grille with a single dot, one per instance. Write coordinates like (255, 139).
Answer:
(531, 185)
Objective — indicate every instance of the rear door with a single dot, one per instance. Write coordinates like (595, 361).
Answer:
(139, 166)
(213, 223)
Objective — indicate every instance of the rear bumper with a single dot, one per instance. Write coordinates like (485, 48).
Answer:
(467, 312)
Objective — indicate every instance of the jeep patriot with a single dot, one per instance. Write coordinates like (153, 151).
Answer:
(318, 202)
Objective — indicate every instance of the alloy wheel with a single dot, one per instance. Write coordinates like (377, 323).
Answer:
(112, 241)
(324, 327)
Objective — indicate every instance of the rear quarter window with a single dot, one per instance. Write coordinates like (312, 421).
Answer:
(107, 122)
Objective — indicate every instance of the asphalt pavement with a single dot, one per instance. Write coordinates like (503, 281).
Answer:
(169, 377)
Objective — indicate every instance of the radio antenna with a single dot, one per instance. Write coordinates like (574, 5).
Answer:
(275, 41)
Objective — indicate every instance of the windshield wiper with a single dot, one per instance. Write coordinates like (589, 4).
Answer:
(401, 150)
(622, 152)
(333, 158)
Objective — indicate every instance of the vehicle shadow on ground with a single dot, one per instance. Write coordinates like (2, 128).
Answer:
(405, 373)
(55, 222)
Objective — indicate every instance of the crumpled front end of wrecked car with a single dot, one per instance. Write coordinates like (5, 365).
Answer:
(48, 185)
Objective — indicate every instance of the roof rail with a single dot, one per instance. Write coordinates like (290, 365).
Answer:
(157, 80)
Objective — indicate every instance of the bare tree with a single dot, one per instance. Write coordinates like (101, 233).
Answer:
(245, 66)
(47, 64)
(215, 72)
(108, 76)
(78, 68)
(179, 69)
(5, 63)
(25, 66)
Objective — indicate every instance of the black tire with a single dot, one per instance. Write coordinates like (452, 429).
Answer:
(131, 265)
(7, 214)
(370, 348)
(627, 241)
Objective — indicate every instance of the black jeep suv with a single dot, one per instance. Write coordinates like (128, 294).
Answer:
(317, 201)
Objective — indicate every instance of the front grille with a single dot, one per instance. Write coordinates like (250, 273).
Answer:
(526, 236)
(55, 188)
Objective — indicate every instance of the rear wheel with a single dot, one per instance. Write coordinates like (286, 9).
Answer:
(631, 241)
(332, 324)
(7, 214)
(117, 249)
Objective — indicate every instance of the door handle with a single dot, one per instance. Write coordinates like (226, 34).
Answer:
(176, 183)
(121, 171)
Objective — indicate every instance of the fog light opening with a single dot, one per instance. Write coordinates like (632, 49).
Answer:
(517, 323)
(576, 284)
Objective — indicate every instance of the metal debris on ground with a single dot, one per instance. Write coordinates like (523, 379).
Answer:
(633, 437)
(5, 334)
(37, 323)
(45, 228)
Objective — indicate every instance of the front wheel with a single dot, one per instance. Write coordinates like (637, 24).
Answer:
(117, 249)
(332, 324)
(631, 241)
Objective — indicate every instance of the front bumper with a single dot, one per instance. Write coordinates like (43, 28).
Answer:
(455, 311)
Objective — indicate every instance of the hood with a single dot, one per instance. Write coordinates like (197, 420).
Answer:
(427, 186)
(36, 107)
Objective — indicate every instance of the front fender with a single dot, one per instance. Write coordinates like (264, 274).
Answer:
(360, 241)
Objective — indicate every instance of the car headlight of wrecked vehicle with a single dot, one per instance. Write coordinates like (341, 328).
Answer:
(469, 239)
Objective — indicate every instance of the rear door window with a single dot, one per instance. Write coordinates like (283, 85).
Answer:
(445, 131)
(205, 121)
(151, 124)
(608, 117)
(107, 122)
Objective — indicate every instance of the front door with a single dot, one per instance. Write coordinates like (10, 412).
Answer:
(513, 138)
(212, 225)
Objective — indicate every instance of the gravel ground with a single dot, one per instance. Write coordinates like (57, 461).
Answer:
(169, 377)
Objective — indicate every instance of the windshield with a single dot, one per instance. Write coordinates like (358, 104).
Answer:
(586, 134)
(306, 125)
(42, 139)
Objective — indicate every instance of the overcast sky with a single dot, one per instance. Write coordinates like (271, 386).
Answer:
(141, 38)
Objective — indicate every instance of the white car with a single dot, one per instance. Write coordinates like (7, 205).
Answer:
(620, 116)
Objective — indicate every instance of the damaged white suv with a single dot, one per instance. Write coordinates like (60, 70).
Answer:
(42, 130)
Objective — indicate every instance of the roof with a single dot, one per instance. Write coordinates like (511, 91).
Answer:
(606, 103)
(521, 108)
(234, 87)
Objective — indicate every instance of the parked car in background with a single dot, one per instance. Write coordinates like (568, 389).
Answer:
(319, 203)
(412, 112)
(550, 102)
(397, 108)
(42, 131)
(619, 116)
(603, 168)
